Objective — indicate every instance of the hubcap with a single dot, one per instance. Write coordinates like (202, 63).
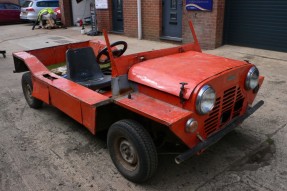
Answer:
(128, 152)
(29, 92)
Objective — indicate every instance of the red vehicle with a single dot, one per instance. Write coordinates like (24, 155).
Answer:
(58, 11)
(177, 94)
(9, 13)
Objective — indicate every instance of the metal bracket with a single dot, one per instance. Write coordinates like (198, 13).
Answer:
(182, 88)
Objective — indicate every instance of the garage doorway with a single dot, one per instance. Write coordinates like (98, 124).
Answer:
(257, 23)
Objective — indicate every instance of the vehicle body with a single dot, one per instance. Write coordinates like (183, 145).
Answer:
(30, 9)
(9, 13)
(59, 15)
(177, 94)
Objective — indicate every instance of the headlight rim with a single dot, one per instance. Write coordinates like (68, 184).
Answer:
(251, 71)
(199, 99)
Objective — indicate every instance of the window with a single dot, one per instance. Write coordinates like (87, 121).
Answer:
(48, 4)
(42, 4)
(27, 4)
(173, 4)
(12, 7)
(53, 4)
(2, 7)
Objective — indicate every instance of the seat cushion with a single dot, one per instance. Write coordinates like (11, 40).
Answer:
(83, 69)
(94, 84)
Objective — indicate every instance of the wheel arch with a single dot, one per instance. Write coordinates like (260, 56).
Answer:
(19, 64)
(109, 114)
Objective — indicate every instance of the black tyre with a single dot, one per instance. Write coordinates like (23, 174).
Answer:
(27, 87)
(132, 150)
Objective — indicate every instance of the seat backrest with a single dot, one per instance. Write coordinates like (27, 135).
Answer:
(82, 65)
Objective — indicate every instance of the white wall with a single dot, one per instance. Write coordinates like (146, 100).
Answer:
(81, 10)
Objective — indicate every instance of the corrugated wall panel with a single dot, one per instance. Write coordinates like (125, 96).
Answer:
(256, 23)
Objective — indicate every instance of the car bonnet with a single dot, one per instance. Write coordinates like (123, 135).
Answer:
(167, 72)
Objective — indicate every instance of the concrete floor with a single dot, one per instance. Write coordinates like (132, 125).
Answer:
(46, 150)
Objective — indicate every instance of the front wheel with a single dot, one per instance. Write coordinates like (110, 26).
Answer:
(132, 150)
(27, 87)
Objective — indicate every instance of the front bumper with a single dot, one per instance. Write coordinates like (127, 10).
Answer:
(217, 136)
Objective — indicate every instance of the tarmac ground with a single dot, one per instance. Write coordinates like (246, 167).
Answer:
(46, 150)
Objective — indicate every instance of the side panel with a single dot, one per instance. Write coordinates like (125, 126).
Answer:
(89, 117)
(73, 99)
(40, 90)
(56, 54)
(66, 103)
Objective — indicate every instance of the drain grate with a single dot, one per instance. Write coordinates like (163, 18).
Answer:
(56, 38)
(62, 41)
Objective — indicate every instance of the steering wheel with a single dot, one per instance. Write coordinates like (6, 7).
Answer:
(116, 52)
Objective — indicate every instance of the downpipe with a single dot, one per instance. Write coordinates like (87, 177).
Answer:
(139, 19)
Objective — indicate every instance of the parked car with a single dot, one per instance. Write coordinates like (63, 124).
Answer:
(30, 9)
(9, 13)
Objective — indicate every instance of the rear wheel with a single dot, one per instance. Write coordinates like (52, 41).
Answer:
(27, 87)
(132, 150)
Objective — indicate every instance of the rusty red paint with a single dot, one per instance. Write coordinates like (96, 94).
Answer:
(166, 73)
(164, 113)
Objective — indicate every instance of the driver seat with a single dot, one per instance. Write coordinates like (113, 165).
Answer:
(83, 69)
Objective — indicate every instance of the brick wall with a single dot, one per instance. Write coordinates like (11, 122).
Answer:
(220, 22)
(66, 12)
(105, 17)
(151, 19)
(208, 25)
(130, 18)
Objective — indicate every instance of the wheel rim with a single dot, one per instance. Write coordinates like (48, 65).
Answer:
(126, 154)
(28, 93)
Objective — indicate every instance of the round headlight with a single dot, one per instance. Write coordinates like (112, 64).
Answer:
(205, 100)
(252, 78)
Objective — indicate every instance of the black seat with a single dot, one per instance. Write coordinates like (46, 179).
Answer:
(83, 69)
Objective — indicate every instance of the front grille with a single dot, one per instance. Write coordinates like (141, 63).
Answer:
(228, 99)
(212, 122)
(238, 103)
(226, 108)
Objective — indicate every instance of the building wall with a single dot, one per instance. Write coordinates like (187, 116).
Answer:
(80, 10)
(130, 18)
(104, 17)
(208, 25)
(66, 12)
(220, 22)
(151, 19)
(10, 1)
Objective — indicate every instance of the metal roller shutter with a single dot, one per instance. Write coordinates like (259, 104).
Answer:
(256, 23)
